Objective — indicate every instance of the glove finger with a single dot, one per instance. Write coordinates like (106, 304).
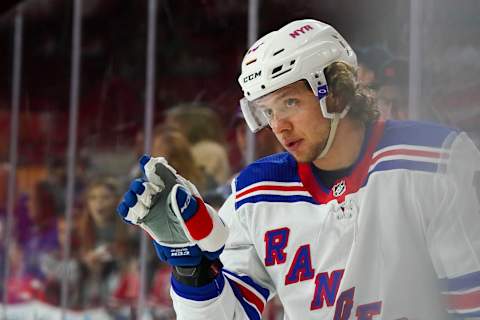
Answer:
(137, 186)
(132, 207)
(122, 209)
(143, 161)
(147, 165)
(158, 171)
(128, 201)
(136, 213)
(149, 190)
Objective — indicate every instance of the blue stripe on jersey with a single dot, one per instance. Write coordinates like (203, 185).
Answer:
(414, 133)
(467, 315)
(263, 291)
(405, 164)
(251, 312)
(273, 198)
(465, 282)
(206, 292)
(280, 167)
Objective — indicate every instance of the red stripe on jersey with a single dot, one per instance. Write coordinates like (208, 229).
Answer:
(356, 178)
(271, 188)
(408, 152)
(469, 300)
(200, 224)
(251, 297)
(308, 180)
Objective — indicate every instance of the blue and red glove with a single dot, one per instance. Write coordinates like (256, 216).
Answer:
(169, 208)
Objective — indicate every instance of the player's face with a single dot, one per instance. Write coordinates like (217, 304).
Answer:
(296, 120)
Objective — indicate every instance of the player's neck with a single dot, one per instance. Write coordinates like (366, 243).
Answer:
(346, 146)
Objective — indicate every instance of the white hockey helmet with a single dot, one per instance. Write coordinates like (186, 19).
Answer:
(300, 50)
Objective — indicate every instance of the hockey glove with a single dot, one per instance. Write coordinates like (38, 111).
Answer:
(169, 208)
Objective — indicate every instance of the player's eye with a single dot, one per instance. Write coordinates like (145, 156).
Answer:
(291, 102)
(268, 112)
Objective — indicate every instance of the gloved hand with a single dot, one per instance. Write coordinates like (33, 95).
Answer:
(169, 208)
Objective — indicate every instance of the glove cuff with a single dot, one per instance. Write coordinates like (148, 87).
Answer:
(200, 275)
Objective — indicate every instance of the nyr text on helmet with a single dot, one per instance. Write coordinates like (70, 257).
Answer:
(302, 30)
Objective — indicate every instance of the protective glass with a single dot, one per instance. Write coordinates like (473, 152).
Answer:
(258, 113)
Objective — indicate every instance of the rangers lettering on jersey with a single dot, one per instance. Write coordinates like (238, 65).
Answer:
(326, 283)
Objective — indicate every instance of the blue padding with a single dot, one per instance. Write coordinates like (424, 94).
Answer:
(207, 292)
(143, 161)
(122, 209)
(182, 197)
(183, 257)
(130, 198)
(137, 186)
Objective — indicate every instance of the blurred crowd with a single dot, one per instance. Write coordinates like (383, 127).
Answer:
(103, 267)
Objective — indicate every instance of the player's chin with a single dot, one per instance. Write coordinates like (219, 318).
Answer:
(302, 157)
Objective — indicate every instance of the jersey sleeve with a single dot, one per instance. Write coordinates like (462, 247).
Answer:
(452, 224)
(243, 288)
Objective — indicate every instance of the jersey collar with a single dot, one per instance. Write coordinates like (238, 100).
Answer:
(352, 182)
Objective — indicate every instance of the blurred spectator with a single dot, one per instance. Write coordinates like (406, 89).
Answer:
(53, 264)
(128, 287)
(370, 62)
(170, 143)
(32, 236)
(392, 95)
(21, 215)
(49, 194)
(108, 246)
(159, 297)
(22, 284)
(202, 127)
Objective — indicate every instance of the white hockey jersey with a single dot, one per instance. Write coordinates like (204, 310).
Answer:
(398, 238)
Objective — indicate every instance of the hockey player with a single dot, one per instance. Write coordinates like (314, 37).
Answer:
(359, 219)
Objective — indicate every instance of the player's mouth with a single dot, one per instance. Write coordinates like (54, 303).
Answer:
(292, 146)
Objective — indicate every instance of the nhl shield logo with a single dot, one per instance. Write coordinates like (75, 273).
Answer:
(339, 188)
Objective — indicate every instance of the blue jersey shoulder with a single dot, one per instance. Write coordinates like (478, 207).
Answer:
(280, 167)
(415, 133)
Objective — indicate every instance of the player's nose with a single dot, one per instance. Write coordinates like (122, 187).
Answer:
(280, 125)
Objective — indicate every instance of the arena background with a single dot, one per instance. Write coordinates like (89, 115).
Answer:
(84, 86)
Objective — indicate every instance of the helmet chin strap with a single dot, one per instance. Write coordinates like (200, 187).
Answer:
(334, 121)
(331, 135)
